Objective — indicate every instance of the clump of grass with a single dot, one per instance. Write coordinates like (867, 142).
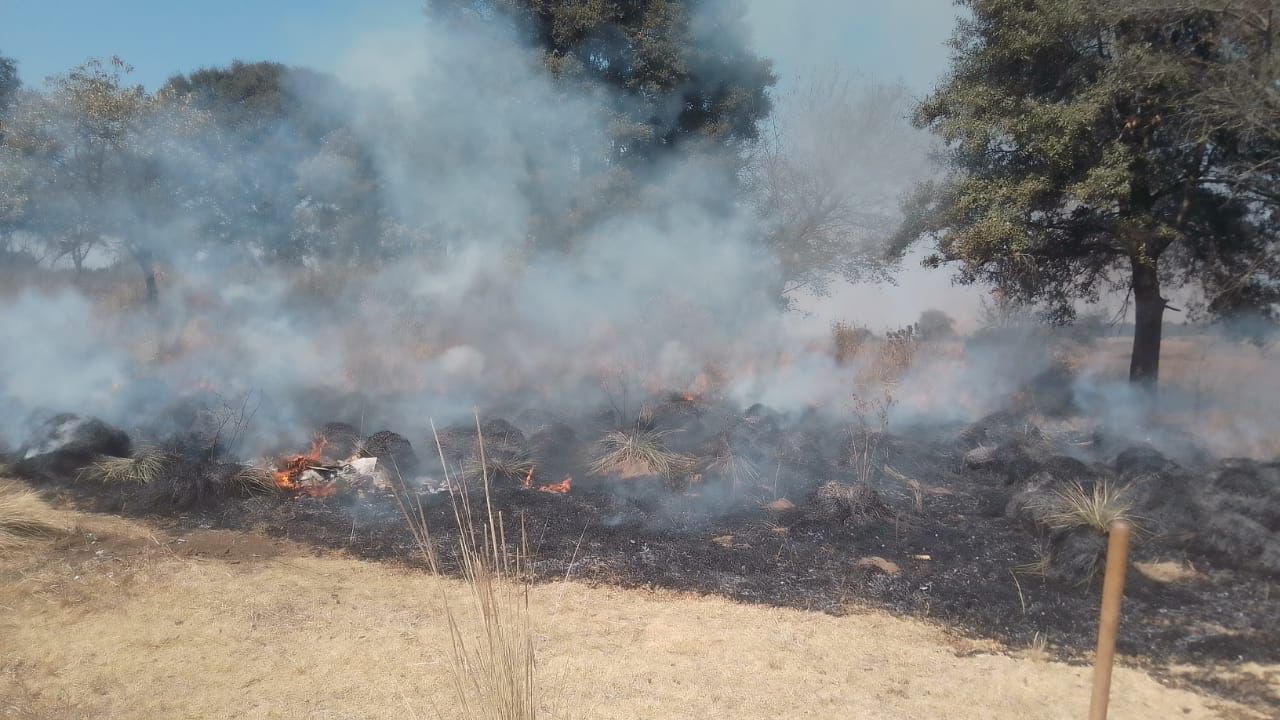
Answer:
(250, 480)
(143, 468)
(492, 649)
(513, 465)
(24, 516)
(1096, 507)
(640, 452)
(847, 341)
(733, 465)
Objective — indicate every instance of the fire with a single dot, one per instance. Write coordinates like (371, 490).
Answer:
(290, 471)
(559, 488)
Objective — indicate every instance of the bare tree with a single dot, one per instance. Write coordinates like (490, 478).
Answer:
(828, 175)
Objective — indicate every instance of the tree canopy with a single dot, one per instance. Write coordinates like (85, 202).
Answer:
(9, 81)
(1084, 154)
(680, 71)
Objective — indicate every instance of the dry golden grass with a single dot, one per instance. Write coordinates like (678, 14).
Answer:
(25, 517)
(1096, 508)
(251, 480)
(1226, 394)
(142, 468)
(847, 341)
(491, 636)
(639, 452)
(124, 621)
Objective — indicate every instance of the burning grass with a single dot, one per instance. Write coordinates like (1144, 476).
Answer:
(25, 517)
(637, 452)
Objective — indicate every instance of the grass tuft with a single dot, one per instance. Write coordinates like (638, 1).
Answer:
(1097, 507)
(639, 452)
(24, 516)
(251, 480)
(516, 466)
(141, 469)
(491, 633)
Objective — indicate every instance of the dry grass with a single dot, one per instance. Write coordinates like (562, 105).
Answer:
(251, 480)
(513, 465)
(1097, 508)
(231, 624)
(25, 517)
(639, 452)
(141, 469)
(491, 634)
(847, 342)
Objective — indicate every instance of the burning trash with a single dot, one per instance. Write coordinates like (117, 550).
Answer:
(307, 476)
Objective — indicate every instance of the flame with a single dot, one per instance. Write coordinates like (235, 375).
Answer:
(527, 482)
(559, 488)
(289, 472)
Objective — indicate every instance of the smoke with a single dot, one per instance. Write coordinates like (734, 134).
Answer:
(453, 298)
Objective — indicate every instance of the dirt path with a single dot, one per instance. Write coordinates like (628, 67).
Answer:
(123, 621)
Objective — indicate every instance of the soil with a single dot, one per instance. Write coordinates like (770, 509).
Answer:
(132, 621)
(945, 552)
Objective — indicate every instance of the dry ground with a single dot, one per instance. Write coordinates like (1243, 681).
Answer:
(124, 620)
(1225, 393)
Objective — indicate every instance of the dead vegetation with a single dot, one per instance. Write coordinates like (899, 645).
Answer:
(511, 464)
(639, 452)
(1095, 507)
(24, 516)
(491, 641)
(144, 467)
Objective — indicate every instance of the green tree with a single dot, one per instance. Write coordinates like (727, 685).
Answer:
(298, 183)
(1080, 161)
(9, 81)
(680, 72)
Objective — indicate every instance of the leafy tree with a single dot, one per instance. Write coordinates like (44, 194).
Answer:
(1080, 161)
(100, 165)
(64, 149)
(680, 72)
(258, 98)
(300, 185)
(9, 81)
(935, 325)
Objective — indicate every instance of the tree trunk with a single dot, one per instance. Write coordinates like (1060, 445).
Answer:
(1144, 364)
(148, 268)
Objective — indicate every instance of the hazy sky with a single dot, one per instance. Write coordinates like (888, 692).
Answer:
(881, 38)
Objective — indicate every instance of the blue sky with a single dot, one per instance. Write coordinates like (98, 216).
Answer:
(163, 37)
(886, 39)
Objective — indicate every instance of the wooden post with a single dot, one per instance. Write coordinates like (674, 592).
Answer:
(1112, 592)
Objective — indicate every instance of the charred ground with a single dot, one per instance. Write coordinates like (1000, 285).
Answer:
(936, 522)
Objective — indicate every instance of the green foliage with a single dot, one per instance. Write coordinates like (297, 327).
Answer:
(9, 81)
(679, 72)
(1081, 160)
(935, 325)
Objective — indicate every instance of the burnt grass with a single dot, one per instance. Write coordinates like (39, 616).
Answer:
(960, 561)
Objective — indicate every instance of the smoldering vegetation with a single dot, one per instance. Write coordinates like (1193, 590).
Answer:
(305, 309)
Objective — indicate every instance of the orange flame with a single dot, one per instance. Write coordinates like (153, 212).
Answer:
(289, 472)
(559, 488)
